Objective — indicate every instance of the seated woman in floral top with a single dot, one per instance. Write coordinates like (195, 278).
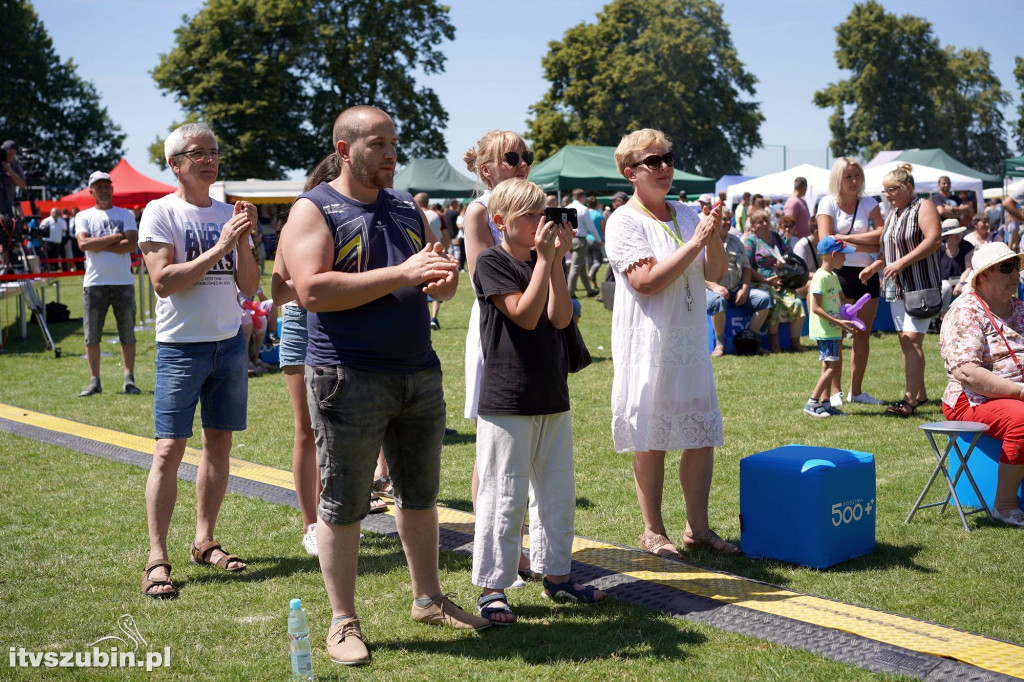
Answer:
(765, 250)
(983, 348)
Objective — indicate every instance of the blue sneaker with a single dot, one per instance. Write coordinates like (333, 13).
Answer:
(816, 409)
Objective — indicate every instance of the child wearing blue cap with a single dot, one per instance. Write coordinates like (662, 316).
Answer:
(826, 325)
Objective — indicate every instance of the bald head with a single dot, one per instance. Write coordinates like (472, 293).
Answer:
(421, 199)
(354, 122)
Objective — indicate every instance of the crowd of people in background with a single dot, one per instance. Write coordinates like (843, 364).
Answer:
(356, 260)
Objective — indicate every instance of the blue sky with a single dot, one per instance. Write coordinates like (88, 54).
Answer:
(493, 72)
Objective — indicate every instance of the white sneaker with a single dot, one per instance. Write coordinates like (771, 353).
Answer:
(309, 540)
(836, 400)
(865, 398)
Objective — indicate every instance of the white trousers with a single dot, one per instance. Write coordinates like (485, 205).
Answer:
(512, 453)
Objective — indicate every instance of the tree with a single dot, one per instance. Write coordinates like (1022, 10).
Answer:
(669, 65)
(1018, 130)
(45, 105)
(887, 104)
(270, 76)
(908, 91)
(970, 108)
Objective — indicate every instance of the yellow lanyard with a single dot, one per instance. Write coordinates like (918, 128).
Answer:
(676, 237)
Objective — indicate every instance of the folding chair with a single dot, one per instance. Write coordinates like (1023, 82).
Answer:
(951, 430)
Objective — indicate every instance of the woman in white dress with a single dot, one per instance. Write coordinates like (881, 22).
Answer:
(663, 393)
(499, 155)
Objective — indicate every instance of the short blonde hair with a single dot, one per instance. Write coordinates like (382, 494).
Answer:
(835, 180)
(899, 176)
(489, 149)
(635, 142)
(515, 197)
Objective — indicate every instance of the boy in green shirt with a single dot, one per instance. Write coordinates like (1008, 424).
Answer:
(826, 326)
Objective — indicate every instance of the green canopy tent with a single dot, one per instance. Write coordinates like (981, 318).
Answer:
(436, 177)
(1015, 167)
(592, 169)
(938, 158)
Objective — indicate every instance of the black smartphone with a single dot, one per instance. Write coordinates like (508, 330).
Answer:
(562, 215)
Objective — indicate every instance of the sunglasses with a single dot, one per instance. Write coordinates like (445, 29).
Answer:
(1008, 266)
(654, 162)
(512, 158)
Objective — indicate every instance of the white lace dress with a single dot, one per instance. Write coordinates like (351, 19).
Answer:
(474, 352)
(663, 392)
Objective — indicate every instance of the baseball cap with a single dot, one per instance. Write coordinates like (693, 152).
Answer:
(621, 196)
(96, 176)
(8, 144)
(706, 199)
(832, 245)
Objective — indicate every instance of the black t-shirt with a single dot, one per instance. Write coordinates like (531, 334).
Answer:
(525, 370)
(450, 218)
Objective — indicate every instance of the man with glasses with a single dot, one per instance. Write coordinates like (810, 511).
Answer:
(578, 264)
(362, 260)
(199, 255)
(108, 236)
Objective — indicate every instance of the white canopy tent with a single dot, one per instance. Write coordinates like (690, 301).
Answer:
(257, 191)
(926, 179)
(780, 185)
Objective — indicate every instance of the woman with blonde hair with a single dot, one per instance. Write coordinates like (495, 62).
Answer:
(848, 214)
(910, 255)
(663, 391)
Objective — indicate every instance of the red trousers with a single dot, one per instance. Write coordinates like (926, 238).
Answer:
(1005, 419)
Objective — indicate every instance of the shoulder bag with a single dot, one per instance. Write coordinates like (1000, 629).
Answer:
(579, 356)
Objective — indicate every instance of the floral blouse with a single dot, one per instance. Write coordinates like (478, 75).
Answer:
(968, 337)
(760, 254)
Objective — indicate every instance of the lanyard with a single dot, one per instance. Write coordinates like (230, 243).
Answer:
(676, 235)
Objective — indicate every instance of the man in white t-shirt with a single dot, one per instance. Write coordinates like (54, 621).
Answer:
(579, 262)
(54, 227)
(199, 255)
(108, 236)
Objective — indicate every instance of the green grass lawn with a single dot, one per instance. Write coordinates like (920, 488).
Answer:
(74, 533)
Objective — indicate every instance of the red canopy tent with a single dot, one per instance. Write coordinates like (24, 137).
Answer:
(132, 189)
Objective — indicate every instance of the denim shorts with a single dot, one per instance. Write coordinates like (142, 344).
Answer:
(354, 412)
(214, 372)
(757, 299)
(294, 336)
(829, 349)
(96, 300)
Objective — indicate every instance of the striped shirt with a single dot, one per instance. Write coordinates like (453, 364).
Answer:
(902, 235)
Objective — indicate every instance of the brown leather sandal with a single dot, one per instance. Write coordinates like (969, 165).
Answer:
(656, 542)
(200, 552)
(710, 541)
(148, 584)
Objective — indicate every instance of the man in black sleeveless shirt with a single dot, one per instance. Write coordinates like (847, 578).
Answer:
(362, 260)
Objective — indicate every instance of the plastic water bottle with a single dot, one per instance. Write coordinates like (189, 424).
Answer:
(298, 634)
(890, 289)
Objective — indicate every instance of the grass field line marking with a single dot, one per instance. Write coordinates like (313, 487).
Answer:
(908, 633)
(239, 467)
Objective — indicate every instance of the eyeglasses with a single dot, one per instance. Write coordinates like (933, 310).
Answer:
(654, 162)
(197, 155)
(1008, 266)
(889, 191)
(512, 158)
